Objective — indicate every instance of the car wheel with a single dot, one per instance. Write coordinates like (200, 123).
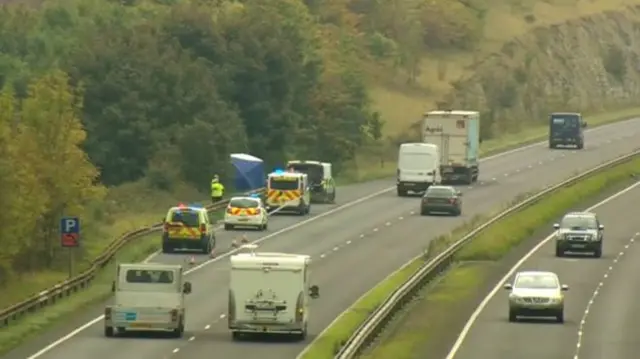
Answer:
(552, 146)
(513, 316)
(598, 252)
(560, 317)
(109, 332)
(228, 227)
(236, 336)
(402, 193)
(559, 251)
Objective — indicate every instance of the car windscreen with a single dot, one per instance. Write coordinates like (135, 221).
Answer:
(244, 203)
(284, 183)
(439, 192)
(536, 281)
(578, 223)
(149, 276)
(187, 217)
(314, 171)
(565, 121)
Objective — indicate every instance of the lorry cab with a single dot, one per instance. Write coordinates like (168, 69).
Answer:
(288, 192)
(270, 293)
(321, 183)
(566, 129)
(418, 167)
(147, 297)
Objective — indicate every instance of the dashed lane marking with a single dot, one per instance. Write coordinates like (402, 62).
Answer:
(474, 316)
(587, 310)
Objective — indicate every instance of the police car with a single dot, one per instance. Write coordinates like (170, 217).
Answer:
(246, 212)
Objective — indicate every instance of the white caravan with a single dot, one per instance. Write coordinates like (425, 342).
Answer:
(148, 297)
(269, 293)
(418, 167)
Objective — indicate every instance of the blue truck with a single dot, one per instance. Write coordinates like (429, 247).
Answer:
(457, 134)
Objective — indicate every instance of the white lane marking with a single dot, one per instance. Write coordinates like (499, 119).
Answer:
(176, 350)
(206, 327)
(192, 339)
(467, 327)
(583, 321)
(92, 322)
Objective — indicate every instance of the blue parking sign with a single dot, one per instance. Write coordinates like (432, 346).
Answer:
(70, 232)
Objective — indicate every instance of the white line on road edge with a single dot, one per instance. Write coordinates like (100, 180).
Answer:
(92, 322)
(467, 327)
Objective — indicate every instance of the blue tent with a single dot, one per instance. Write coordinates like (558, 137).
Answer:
(249, 172)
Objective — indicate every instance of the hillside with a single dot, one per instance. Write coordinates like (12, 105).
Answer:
(144, 99)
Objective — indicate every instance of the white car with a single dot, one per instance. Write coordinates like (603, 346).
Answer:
(246, 212)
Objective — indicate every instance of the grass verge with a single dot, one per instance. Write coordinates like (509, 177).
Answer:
(368, 167)
(488, 247)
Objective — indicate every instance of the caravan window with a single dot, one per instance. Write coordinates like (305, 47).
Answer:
(136, 276)
(284, 183)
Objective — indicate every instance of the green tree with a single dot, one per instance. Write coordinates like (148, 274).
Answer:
(50, 117)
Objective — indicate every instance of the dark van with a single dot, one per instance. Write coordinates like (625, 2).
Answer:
(566, 129)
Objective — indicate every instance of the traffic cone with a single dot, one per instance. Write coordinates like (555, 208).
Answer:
(192, 260)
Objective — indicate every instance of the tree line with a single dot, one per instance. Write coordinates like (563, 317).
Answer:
(98, 93)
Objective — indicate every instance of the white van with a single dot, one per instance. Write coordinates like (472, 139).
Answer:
(418, 167)
(269, 293)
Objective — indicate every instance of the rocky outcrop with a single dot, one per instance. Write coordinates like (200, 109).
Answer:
(589, 65)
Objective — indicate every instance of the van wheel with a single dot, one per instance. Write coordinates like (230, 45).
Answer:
(332, 197)
(402, 193)
(580, 146)
(109, 332)
(469, 179)
(235, 336)
(559, 251)
(560, 317)
(513, 316)
(302, 336)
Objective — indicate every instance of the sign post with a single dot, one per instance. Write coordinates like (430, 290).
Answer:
(70, 237)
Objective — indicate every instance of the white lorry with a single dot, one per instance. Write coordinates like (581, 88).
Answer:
(457, 134)
(269, 293)
(418, 167)
(147, 297)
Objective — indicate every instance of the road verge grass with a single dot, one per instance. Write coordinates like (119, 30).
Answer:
(369, 167)
(488, 247)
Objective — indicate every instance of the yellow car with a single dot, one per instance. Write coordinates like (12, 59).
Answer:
(187, 227)
(536, 294)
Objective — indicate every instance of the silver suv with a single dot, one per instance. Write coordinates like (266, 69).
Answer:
(579, 232)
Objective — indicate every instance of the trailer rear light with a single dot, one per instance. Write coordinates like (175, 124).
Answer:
(107, 313)
(203, 228)
(229, 211)
(258, 211)
(174, 315)
(165, 227)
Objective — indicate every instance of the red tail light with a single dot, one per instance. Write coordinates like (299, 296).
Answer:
(229, 211)
(258, 211)
(453, 200)
(165, 227)
(174, 315)
(203, 228)
(107, 313)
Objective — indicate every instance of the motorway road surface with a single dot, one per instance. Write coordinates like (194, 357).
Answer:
(602, 311)
(353, 248)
